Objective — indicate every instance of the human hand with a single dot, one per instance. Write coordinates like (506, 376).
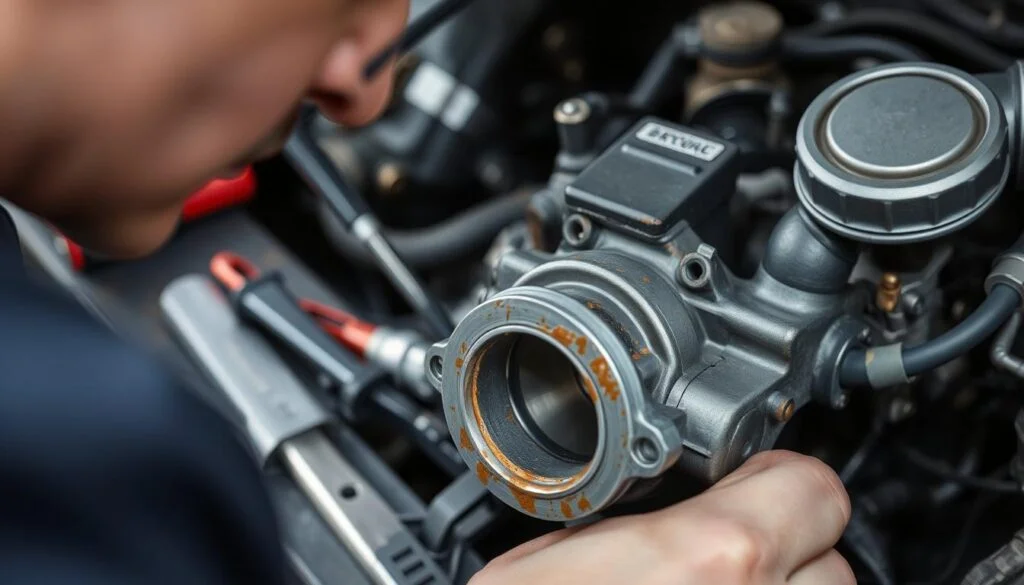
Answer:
(774, 521)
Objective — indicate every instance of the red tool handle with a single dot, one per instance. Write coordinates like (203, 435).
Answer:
(219, 195)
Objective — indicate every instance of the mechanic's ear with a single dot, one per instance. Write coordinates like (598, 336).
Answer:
(340, 90)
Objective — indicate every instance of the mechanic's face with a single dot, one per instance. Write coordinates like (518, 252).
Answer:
(146, 100)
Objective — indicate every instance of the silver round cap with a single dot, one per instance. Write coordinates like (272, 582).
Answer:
(902, 153)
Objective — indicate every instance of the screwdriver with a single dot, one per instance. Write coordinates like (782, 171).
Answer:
(306, 156)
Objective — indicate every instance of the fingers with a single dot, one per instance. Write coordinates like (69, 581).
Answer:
(777, 512)
(828, 569)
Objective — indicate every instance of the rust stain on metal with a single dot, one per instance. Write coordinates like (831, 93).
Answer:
(584, 504)
(581, 345)
(604, 378)
(519, 479)
(566, 509)
(563, 336)
(463, 349)
(464, 439)
(646, 280)
(673, 250)
(481, 473)
(543, 324)
(508, 313)
(593, 305)
(526, 501)
(640, 354)
(458, 363)
(499, 304)
(509, 415)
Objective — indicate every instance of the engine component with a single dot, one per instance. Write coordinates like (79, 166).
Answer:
(874, 167)
(739, 91)
(632, 347)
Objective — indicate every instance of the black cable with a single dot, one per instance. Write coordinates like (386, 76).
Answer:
(1000, 305)
(943, 470)
(416, 32)
(802, 48)
(856, 461)
(904, 23)
(1007, 35)
(448, 241)
(663, 73)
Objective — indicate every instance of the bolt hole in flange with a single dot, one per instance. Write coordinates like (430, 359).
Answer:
(694, 271)
(436, 365)
(348, 492)
(645, 451)
(577, 230)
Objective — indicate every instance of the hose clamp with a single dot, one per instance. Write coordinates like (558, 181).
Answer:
(1008, 270)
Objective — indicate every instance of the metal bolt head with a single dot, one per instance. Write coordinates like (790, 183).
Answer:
(784, 411)
(572, 111)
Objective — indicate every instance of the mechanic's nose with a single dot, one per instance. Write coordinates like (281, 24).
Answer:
(341, 90)
(344, 95)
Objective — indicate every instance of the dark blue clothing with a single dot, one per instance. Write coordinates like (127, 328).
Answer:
(111, 472)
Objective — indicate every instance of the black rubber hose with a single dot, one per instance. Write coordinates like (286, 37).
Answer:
(802, 48)
(1007, 35)
(439, 244)
(1000, 305)
(915, 25)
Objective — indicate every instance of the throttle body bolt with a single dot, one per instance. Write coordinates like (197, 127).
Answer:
(782, 407)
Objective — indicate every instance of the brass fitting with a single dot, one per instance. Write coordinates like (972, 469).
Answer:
(738, 41)
(889, 292)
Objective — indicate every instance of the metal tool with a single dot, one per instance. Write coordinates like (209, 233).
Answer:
(349, 206)
(285, 424)
(326, 338)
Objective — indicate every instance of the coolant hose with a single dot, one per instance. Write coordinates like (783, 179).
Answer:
(442, 243)
(1000, 305)
(904, 24)
(814, 49)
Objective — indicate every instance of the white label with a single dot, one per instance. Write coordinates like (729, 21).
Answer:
(683, 142)
(430, 88)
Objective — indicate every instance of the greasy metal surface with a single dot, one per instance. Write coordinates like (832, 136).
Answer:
(481, 415)
(357, 515)
(720, 364)
(272, 401)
